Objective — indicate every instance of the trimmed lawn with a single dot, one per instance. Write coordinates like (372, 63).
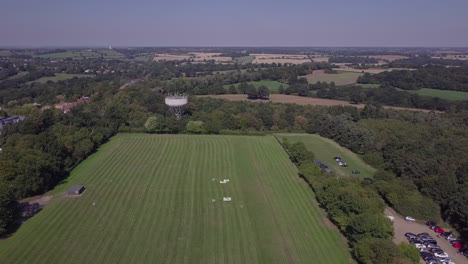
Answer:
(326, 149)
(152, 199)
(60, 77)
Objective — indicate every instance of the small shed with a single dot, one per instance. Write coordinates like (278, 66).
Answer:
(76, 190)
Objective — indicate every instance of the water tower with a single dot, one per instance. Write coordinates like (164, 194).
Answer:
(176, 103)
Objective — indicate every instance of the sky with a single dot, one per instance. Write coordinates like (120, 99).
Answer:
(365, 23)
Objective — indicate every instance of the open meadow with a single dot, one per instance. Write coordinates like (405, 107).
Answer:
(60, 77)
(340, 78)
(326, 149)
(273, 86)
(158, 199)
(443, 94)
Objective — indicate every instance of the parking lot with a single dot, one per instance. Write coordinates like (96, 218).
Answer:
(401, 226)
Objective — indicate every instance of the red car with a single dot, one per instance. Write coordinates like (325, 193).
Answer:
(439, 230)
(457, 245)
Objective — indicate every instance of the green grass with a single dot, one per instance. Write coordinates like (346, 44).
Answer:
(17, 76)
(143, 57)
(340, 78)
(444, 94)
(369, 85)
(273, 86)
(60, 77)
(5, 53)
(245, 59)
(79, 54)
(325, 149)
(152, 198)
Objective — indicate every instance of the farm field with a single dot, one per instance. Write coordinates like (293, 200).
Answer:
(369, 85)
(325, 149)
(245, 59)
(280, 58)
(18, 75)
(340, 78)
(60, 77)
(273, 86)
(444, 94)
(301, 100)
(79, 54)
(5, 53)
(149, 200)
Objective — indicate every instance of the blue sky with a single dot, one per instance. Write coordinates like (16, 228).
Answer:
(234, 23)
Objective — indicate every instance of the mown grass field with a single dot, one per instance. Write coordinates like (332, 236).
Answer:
(325, 150)
(340, 78)
(273, 86)
(153, 204)
(60, 77)
(369, 85)
(246, 59)
(444, 94)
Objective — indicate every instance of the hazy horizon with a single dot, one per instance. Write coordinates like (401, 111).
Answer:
(208, 23)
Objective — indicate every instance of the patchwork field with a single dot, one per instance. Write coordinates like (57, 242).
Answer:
(60, 77)
(245, 59)
(280, 58)
(325, 149)
(444, 94)
(301, 100)
(152, 199)
(195, 56)
(79, 54)
(273, 86)
(340, 78)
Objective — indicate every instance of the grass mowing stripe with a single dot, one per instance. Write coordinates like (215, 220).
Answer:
(153, 205)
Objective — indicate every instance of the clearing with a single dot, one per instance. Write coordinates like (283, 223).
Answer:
(152, 199)
(325, 149)
(443, 94)
(60, 77)
(273, 86)
(340, 78)
(301, 100)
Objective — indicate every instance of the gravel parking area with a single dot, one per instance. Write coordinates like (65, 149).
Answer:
(401, 226)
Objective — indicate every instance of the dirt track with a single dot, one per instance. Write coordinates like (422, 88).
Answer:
(401, 226)
(300, 100)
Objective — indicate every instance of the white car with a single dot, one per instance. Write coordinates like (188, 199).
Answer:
(441, 255)
(420, 246)
(409, 218)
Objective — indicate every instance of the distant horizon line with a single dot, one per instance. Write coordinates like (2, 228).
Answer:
(196, 46)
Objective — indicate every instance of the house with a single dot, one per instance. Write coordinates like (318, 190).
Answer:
(10, 120)
(76, 190)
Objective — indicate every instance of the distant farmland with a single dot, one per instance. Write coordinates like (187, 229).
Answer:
(79, 54)
(273, 86)
(340, 78)
(443, 94)
(60, 77)
(152, 199)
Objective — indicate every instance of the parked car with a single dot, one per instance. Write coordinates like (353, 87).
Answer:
(356, 172)
(439, 230)
(446, 234)
(419, 245)
(409, 218)
(410, 235)
(451, 238)
(337, 158)
(441, 255)
(415, 241)
(431, 223)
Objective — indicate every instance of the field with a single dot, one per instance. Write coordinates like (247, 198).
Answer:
(280, 58)
(369, 85)
(195, 56)
(371, 70)
(5, 53)
(325, 149)
(301, 100)
(79, 54)
(245, 59)
(17, 76)
(273, 86)
(340, 78)
(60, 77)
(149, 200)
(142, 57)
(444, 94)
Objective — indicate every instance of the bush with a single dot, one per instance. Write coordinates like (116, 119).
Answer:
(409, 251)
(195, 127)
(377, 250)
